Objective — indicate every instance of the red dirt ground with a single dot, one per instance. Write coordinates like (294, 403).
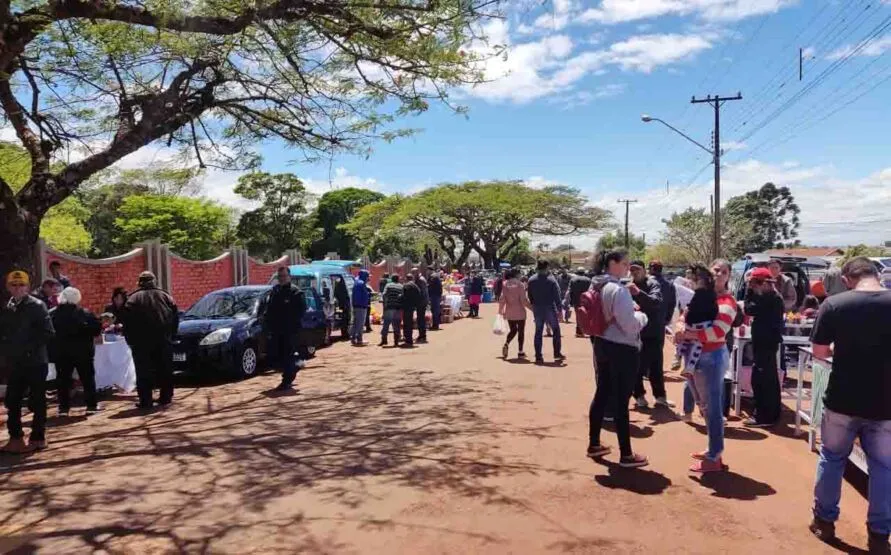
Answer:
(441, 449)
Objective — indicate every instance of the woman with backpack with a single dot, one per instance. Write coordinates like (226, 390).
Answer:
(607, 313)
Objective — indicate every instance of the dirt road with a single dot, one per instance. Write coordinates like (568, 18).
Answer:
(444, 448)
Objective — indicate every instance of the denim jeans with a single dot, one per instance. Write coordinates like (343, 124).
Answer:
(545, 315)
(435, 311)
(711, 370)
(838, 432)
(358, 327)
(393, 317)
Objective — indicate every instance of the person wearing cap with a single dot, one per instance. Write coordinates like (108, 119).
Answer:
(74, 349)
(765, 306)
(647, 293)
(25, 331)
(151, 319)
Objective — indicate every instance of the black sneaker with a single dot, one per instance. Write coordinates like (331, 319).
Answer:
(144, 406)
(521, 354)
(539, 360)
(823, 529)
(92, 410)
(878, 543)
(597, 451)
(63, 413)
(559, 358)
(284, 387)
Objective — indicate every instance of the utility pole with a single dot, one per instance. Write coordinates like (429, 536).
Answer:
(627, 237)
(716, 102)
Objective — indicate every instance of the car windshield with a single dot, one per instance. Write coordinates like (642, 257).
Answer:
(886, 262)
(241, 304)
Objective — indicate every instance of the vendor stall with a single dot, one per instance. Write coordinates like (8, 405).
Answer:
(114, 367)
(813, 414)
(796, 334)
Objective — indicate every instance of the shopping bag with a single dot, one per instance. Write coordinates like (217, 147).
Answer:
(498, 328)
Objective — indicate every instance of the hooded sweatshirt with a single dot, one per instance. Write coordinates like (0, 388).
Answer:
(361, 297)
(618, 308)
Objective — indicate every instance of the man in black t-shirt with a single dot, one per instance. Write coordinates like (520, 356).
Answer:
(855, 329)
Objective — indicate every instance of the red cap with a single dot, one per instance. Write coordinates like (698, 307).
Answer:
(761, 274)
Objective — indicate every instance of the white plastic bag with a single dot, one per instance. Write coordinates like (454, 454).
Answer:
(499, 327)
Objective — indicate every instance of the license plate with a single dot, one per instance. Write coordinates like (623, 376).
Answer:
(179, 357)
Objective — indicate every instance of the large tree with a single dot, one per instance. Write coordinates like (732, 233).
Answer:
(194, 228)
(637, 246)
(109, 77)
(334, 209)
(773, 215)
(281, 222)
(689, 234)
(491, 218)
(64, 226)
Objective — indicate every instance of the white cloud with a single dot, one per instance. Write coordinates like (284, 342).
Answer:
(872, 49)
(552, 64)
(585, 97)
(831, 207)
(730, 146)
(621, 11)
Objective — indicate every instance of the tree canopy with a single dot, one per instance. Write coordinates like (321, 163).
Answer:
(194, 228)
(688, 235)
(94, 81)
(281, 222)
(637, 247)
(773, 215)
(336, 208)
(490, 218)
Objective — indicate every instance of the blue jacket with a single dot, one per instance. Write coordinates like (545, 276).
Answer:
(361, 298)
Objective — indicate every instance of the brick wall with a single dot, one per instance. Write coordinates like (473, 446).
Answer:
(188, 280)
(97, 279)
(192, 280)
(376, 272)
(261, 272)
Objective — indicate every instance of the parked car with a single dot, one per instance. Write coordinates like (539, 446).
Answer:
(223, 331)
(801, 270)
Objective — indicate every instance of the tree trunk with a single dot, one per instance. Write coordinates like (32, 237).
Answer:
(20, 231)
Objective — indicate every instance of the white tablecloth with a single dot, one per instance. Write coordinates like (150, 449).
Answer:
(454, 301)
(114, 367)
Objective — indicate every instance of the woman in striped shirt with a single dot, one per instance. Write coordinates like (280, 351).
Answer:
(713, 363)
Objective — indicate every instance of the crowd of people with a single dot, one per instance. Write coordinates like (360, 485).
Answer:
(624, 307)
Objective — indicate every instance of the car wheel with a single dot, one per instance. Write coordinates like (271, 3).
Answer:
(248, 362)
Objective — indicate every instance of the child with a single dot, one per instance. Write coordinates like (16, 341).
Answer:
(810, 306)
(703, 308)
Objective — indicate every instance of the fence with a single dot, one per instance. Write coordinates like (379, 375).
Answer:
(187, 280)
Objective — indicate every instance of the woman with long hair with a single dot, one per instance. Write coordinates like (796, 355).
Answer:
(512, 305)
(711, 368)
(616, 354)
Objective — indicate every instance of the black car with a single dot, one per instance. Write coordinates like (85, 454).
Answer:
(223, 331)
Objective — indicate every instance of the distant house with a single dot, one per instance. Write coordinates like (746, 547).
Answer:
(821, 252)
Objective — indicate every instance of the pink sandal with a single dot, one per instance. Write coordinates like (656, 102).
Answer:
(706, 465)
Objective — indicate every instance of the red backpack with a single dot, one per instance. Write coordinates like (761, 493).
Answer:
(589, 314)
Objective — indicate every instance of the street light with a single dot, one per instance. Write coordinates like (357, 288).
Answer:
(647, 119)
(716, 160)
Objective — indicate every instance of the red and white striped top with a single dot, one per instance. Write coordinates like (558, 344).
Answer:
(714, 336)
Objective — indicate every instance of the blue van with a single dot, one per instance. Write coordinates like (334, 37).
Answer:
(320, 276)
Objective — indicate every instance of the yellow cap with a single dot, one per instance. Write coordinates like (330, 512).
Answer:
(18, 277)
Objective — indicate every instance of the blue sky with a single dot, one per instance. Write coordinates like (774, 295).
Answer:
(565, 105)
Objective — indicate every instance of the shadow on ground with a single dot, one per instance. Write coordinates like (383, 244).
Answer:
(243, 450)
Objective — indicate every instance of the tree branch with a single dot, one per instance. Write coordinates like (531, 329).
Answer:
(16, 114)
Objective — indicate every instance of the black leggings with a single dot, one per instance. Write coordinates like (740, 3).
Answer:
(518, 330)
